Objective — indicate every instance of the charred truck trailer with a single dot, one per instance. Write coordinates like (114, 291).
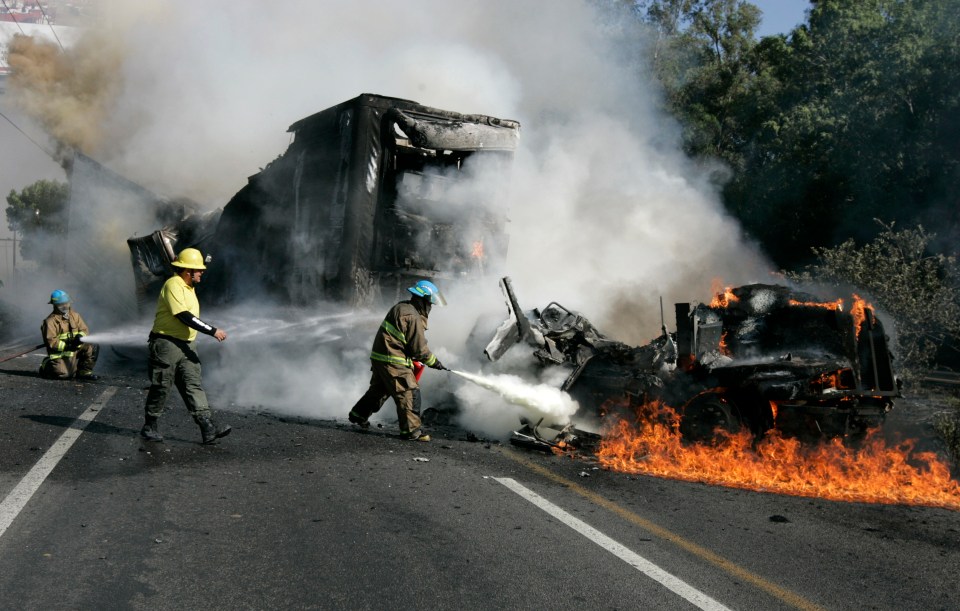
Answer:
(371, 195)
(757, 357)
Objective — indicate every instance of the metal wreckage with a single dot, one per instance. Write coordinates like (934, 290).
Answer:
(759, 356)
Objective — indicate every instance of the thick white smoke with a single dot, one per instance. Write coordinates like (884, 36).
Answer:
(607, 215)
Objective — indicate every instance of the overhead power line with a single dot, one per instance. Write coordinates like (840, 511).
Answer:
(45, 19)
(27, 136)
(14, 17)
(52, 29)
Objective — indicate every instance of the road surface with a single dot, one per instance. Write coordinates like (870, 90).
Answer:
(299, 514)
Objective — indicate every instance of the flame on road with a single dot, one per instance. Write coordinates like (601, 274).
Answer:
(873, 472)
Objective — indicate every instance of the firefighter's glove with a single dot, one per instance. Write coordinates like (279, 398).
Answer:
(73, 344)
(438, 366)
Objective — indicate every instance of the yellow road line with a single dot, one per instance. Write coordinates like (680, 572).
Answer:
(784, 595)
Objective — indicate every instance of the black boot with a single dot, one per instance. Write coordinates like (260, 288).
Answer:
(149, 430)
(211, 431)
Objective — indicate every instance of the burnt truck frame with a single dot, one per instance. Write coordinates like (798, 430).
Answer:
(371, 195)
(763, 357)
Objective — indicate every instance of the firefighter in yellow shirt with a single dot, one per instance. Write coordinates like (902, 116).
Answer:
(173, 355)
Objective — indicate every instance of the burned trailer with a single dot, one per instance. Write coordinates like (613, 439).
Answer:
(758, 357)
(371, 195)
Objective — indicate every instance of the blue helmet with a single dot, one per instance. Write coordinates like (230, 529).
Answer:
(425, 288)
(59, 297)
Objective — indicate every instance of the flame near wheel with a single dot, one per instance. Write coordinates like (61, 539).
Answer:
(707, 412)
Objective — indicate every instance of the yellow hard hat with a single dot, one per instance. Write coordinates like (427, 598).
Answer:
(189, 258)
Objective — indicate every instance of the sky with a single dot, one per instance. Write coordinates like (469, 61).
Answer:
(780, 16)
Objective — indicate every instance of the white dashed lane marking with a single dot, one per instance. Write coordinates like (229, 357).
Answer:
(18, 498)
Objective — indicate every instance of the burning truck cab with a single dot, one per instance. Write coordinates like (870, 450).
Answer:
(758, 357)
(371, 195)
(766, 356)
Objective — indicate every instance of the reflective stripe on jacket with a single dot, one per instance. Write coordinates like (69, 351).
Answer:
(57, 329)
(402, 338)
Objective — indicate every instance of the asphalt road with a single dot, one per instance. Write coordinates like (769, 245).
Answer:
(297, 514)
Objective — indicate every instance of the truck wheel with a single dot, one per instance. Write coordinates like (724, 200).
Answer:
(705, 414)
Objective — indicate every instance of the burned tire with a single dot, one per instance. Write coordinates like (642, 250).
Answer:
(705, 414)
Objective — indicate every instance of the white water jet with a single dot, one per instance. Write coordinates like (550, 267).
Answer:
(537, 400)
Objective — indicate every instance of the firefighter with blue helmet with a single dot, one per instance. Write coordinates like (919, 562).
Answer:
(67, 356)
(401, 340)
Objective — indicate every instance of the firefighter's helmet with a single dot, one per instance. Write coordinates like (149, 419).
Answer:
(425, 288)
(59, 297)
(189, 258)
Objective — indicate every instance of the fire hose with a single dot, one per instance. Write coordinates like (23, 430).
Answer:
(27, 351)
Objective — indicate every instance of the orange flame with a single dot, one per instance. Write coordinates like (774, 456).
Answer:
(859, 312)
(830, 305)
(873, 473)
(477, 252)
(724, 299)
(842, 379)
(723, 347)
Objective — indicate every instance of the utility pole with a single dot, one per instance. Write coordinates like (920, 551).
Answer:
(14, 241)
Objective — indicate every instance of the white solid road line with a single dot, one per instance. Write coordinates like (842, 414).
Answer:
(675, 585)
(11, 506)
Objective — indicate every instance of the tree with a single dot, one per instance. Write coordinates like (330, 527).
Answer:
(38, 214)
(701, 58)
(863, 126)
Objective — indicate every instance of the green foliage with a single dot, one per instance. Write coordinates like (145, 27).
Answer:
(865, 126)
(851, 116)
(947, 427)
(700, 58)
(921, 291)
(38, 213)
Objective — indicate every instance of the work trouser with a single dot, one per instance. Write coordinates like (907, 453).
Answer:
(174, 361)
(389, 381)
(69, 364)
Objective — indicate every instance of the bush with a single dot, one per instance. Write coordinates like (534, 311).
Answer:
(904, 280)
(947, 426)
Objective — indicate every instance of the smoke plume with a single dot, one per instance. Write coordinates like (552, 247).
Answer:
(607, 215)
(69, 93)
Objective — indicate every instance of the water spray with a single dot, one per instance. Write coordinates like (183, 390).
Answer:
(127, 336)
(242, 326)
(543, 400)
